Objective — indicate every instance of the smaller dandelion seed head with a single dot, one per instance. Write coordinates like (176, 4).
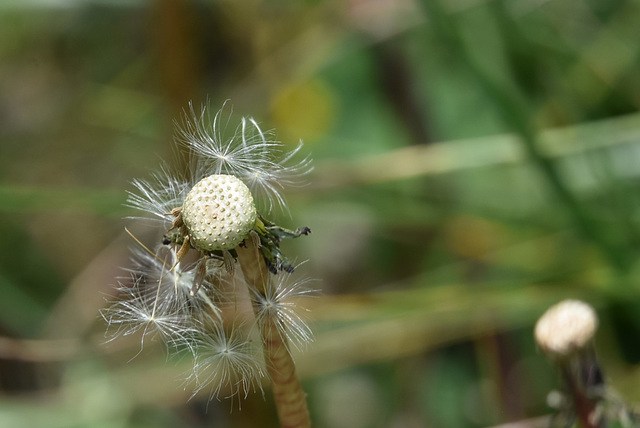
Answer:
(219, 213)
(566, 328)
(228, 362)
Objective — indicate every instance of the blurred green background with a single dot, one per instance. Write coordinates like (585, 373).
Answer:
(475, 162)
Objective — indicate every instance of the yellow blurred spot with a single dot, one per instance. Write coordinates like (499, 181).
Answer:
(303, 110)
(473, 237)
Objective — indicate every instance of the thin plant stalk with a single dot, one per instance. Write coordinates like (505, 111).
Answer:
(585, 407)
(514, 112)
(288, 394)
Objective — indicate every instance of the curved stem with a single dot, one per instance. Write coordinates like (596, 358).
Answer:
(289, 396)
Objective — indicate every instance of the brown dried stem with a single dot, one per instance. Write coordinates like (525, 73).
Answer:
(585, 406)
(290, 399)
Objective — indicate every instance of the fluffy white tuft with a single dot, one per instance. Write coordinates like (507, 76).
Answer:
(248, 153)
(137, 312)
(228, 363)
(159, 194)
(280, 308)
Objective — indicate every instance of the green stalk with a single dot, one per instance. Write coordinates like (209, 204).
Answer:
(514, 112)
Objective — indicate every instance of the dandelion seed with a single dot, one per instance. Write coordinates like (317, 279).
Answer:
(169, 282)
(228, 363)
(279, 308)
(212, 153)
(138, 313)
(270, 182)
(249, 154)
(159, 195)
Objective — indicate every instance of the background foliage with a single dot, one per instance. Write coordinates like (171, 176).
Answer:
(476, 161)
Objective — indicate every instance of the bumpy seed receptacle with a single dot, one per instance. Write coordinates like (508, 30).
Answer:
(219, 212)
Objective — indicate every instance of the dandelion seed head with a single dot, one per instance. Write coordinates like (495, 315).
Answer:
(234, 173)
(219, 213)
